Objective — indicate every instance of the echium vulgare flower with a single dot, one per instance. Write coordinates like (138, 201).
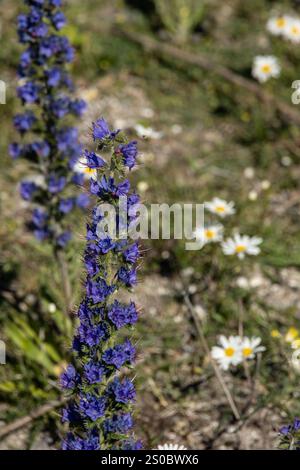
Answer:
(290, 436)
(100, 396)
(51, 147)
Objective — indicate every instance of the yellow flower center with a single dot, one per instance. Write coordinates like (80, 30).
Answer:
(280, 22)
(89, 171)
(220, 209)
(295, 30)
(240, 248)
(209, 234)
(247, 352)
(229, 352)
(266, 68)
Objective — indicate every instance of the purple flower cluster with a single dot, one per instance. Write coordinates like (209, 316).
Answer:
(99, 411)
(290, 436)
(119, 355)
(46, 142)
(119, 424)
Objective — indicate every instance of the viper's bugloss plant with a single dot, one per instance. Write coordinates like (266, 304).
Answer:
(290, 436)
(101, 397)
(48, 142)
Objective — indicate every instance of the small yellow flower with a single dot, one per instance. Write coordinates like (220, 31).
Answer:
(59, 368)
(296, 344)
(275, 334)
(291, 334)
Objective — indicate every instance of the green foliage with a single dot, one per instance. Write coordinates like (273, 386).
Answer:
(28, 344)
(180, 17)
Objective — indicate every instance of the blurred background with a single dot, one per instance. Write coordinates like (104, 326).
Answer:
(208, 134)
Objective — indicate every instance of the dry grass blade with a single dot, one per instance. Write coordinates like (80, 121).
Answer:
(25, 420)
(213, 363)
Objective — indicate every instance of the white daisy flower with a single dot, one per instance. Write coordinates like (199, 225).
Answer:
(147, 132)
(210, 234)
(250, 347)
(171, 447)
(276, 25)
(265, 67)
(229, 353)
(292, 30)
(241, 245)
(81, 166)
(220, 207)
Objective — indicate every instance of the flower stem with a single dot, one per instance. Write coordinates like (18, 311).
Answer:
(215, 367)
